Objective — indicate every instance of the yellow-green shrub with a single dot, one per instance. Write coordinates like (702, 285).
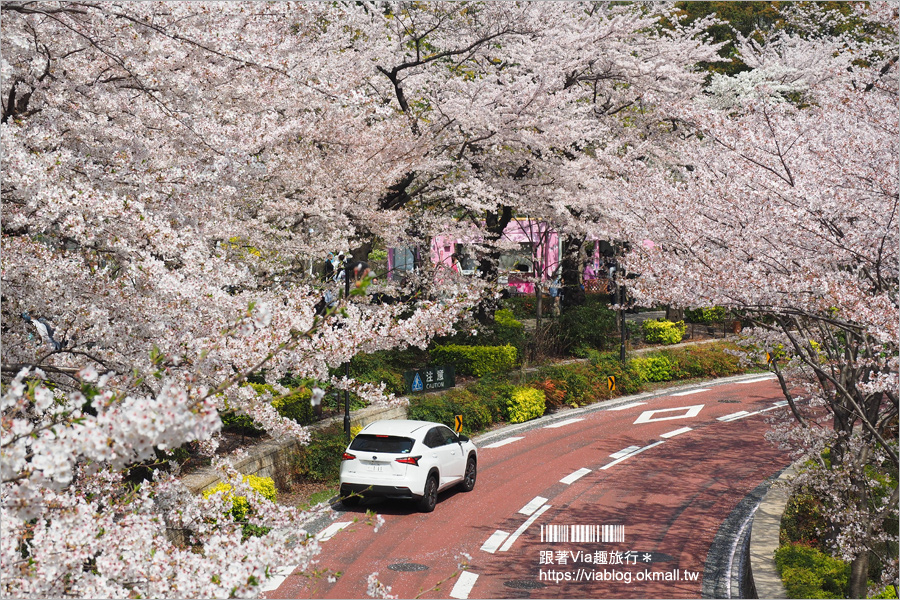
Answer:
(294, 405)
(239, 505)
(810, 573)
(654, 368)
(526, 403)
(476, 360)
(663, 332)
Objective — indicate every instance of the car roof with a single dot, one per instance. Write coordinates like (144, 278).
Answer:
(399, 427)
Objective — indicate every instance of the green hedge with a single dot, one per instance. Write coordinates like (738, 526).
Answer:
(476, 360)
(508, 331)
(294, 405)
(663, 332)
(810, 573)
(476, 413)
(492, 398)
(525, 404)
(590, 325)
(655, 368)
(707, 315)
(321, 459)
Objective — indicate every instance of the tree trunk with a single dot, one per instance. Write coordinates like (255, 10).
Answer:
(495, 223)
(859, 575)
(573, 294)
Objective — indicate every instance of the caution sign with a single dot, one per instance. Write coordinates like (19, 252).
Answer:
(768, 358)
(611, 383)
(458, 425)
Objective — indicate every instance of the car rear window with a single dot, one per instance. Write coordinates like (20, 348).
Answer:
(391, 444)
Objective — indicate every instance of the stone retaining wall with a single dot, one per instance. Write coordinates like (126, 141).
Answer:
(272, 458)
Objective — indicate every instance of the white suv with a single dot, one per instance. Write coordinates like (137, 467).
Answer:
(407, 459)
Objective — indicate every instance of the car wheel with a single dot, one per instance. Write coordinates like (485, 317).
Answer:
(429, 498)
(350, 501)
(468, 482)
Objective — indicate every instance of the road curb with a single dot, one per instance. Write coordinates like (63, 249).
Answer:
(764, 538)
(569, 413)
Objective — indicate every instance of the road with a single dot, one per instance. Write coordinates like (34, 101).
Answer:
(646, 484)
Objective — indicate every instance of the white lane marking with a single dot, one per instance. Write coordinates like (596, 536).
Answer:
(617, 461)
(757, 380)
(733, 416)
(624, 452)
(532, 506)
(563, 423)
(781, 403)
(649, 416)
(688, 393)
(568, 479)
(274, 582)
(464, 585)
(494, 541)
(509, 440)
(509, 541)
(330, 531)
(624, 406)
(676, 432)
(759, 411)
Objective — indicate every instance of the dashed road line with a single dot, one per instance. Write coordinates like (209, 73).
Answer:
(568, 479)
(274, 582)
(497, 538)
(330, 531)
(508, 440)
(757, 380)
(624, 406)
(464, 585)
(689, 392)
(733, 416)
(511, 539)
(532, 506)
(563, 423)
(676, 432)
(627, 456)
(737, 416)
(624, 452)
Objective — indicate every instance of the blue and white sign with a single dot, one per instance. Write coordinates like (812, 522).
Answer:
(430, 379)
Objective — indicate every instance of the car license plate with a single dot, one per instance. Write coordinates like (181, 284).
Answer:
(376, 468)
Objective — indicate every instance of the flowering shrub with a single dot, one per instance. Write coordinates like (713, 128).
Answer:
(663, 332)
(525, 404)
(476, 360)
(239, 506)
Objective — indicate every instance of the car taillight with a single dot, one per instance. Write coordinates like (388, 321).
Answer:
(410, 460)
(347, 456)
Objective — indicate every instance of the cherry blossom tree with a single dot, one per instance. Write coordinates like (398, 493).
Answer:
(169, 169)
(783, 207)
(513, 94)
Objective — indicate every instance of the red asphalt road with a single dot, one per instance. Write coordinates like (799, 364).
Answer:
(671, 499)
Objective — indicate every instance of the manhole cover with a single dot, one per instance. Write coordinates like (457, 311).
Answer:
(407, 567)
(730, 401)
(524, 584)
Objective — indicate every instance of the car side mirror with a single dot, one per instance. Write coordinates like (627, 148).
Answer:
(463, 438)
